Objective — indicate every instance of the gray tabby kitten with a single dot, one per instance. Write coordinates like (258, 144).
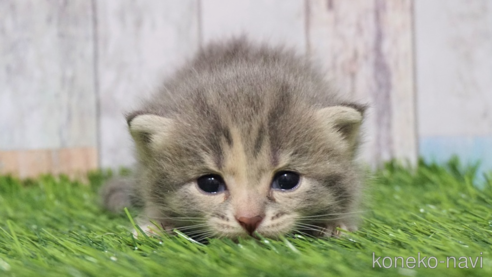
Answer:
(245, 138)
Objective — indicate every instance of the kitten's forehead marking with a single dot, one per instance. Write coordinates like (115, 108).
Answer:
(243, 163)
(247, 171)
(259, 141)
(236, 160)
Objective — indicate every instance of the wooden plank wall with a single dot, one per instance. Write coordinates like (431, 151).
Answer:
(454, 79)
(139, 43)
(47, 97)
(274, 21)
(69, 70)
(366, 48)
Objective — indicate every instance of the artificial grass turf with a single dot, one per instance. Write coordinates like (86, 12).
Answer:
(54, 227)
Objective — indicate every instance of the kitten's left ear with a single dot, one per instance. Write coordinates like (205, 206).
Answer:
(148, 130)
(345, 120)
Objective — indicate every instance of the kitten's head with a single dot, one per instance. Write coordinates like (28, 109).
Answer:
(274, 167)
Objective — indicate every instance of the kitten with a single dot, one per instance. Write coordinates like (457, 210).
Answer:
(245, 138)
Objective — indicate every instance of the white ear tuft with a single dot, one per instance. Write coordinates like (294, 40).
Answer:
(344, 120)
(149, 130)
(149, 123)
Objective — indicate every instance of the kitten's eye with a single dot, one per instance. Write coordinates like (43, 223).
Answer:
(285, 180)
(211, 184)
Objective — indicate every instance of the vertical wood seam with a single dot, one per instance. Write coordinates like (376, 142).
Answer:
(306, 28)
(95, 60)
(200, 23)
(382, 94)
(415, 84)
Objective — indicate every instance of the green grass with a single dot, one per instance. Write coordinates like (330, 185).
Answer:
(54, 227)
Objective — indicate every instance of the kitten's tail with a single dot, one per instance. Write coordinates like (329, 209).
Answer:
(118, 193)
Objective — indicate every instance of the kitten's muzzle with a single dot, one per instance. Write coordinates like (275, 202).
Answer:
(250, 224)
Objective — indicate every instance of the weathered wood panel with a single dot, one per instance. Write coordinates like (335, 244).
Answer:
(138, 43)
(65, 65)
(366, 48)
(454, 79)
(275, 21)
(454, 67)
(47, 97)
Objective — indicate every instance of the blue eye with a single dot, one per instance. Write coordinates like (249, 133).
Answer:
(285, 180)
(211, 184)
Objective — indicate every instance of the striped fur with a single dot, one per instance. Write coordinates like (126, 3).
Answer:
(246, 111)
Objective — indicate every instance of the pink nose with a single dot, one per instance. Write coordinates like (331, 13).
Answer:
(250, 223)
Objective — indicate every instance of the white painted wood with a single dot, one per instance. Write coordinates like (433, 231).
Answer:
(272, 21)
(61, 65)
(139, 43)
(47, 97)
(366, 48)
(454, 67)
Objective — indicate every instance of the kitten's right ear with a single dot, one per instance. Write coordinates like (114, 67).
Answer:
(345, 120)
(149, 130)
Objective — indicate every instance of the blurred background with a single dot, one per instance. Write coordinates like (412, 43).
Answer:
(69, 70)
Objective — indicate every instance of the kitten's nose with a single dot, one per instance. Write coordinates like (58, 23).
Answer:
(250, 223)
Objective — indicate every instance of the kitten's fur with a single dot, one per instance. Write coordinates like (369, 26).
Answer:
(245, 112)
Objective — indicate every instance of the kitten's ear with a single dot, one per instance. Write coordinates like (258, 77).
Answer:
(149, 130)
(345, 120)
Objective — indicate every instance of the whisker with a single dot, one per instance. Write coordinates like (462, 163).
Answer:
(180, 218)
(197, 232)
(303, 233)
(310, 227)
(320, 219)
(314, 231)
(183, 228)
(189, 225)
(332, 214)
(205, 235)
(325, 218)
